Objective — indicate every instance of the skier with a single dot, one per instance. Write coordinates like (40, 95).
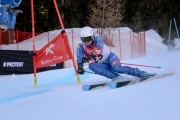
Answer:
(101, 60)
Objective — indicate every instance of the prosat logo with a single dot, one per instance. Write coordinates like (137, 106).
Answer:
(13, 64)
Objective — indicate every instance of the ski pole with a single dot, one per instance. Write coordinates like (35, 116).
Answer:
(141, 65)
(130, 64)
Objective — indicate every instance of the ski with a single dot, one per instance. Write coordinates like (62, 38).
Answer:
(126, 81)
(93, 86)
(119, 84)
(100, 85)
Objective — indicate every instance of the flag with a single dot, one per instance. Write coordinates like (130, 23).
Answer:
(56, 51)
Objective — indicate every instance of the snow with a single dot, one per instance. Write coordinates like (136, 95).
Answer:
(59, 97)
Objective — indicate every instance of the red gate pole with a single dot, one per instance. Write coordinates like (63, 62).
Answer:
(33, 38)
(62, 26)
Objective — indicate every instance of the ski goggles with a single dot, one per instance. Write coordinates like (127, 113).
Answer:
(86, 39)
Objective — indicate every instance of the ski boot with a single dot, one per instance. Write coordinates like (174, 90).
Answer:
(142, 74)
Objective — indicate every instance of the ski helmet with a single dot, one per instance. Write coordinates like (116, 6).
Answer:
(86, 32)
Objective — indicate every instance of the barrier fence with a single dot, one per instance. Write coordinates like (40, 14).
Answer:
(14, 36)
(125, 43)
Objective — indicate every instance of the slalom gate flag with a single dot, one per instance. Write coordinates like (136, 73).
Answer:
(56, 51)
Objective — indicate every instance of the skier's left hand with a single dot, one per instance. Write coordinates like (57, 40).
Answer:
(80, 69)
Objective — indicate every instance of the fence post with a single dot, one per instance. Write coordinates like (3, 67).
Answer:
(0, 38)
(138, 46)
(48, 36)
(109, 38)
(17, 37)
(131, 44)
(144, 43)
(120, 54)
(141, 44)
(135, 51)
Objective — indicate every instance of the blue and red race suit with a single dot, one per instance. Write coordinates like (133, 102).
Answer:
(104, 62)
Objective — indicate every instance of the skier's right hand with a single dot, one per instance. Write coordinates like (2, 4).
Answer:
(80, 69)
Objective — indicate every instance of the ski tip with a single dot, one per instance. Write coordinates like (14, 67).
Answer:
(85, 87)
(112, 85)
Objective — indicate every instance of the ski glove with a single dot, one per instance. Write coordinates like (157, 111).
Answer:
(90, 56)
(85, 59)
(80, 69)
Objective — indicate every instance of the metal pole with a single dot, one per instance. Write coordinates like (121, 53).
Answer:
(169, 37)
(62, 26)
(176, 28)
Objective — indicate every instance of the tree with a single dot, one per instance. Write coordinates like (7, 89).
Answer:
(44, 14)
(106, 13)
(137, 22)
(99, 13)
(73, 13)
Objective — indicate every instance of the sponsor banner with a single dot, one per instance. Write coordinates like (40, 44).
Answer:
(20, 62)
(56, 51)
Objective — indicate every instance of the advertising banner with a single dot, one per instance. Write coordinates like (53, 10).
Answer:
(20, 62)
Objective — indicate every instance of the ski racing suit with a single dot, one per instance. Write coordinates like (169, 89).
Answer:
(104, 62)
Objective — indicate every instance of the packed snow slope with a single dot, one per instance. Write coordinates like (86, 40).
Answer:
(59, 97)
